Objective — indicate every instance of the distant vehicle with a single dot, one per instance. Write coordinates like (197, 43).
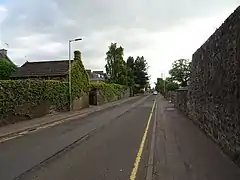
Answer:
(155, 93)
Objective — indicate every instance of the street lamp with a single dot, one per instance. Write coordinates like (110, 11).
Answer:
(70, 68)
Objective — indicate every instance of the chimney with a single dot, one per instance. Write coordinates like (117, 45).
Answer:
(3, 52)
(77, 55)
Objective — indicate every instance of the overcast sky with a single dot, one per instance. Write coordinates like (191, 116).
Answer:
(160, 30)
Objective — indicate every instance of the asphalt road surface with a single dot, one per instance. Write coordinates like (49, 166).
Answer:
(116, 144)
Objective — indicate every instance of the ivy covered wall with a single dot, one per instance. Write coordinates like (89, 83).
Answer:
(26, 99)
(21, 99)
(107, 92)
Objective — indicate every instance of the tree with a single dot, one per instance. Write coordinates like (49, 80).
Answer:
(171, 85)
(116, 68)
(159, 86)
(180, 71)
(166, 85)
(6, 69)
(141, 77)
(130, 75)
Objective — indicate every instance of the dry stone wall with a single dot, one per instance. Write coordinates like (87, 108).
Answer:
(214, 90)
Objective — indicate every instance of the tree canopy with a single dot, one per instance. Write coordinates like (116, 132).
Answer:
(116, 68)
(140, 72)
(179, 76)
(166, 85)
(132, 73)
(180, 71)
(6, 69)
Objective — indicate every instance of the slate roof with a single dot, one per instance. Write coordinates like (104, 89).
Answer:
(98, 72)
(42, 69)
(89, 71)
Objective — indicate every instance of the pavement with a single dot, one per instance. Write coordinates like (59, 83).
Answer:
(143, 139)
(184, 152)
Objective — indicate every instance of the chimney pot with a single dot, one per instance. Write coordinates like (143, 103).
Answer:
(3, 52)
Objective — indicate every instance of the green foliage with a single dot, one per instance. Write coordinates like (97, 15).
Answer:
(110, 92)
(171, 86)
(80, 81)
(130, 74)
(159, 86)
(166, 85)
(18, 94)
(57, 93)
(130, 70)
(116, 67)
(140, 72)
(180, 71)
(6, 69)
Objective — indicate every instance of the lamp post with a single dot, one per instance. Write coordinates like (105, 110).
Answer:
(69, 71)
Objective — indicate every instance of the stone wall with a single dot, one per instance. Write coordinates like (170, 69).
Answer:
(170, 96)
(181, 100)
(81, 102)
(214, 90)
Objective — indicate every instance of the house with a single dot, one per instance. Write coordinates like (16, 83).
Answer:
(51, 70)
(46, 70)
(96, 76)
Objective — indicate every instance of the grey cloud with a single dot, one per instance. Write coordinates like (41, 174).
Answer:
(151, 15)
(98, 22)
(92, 15)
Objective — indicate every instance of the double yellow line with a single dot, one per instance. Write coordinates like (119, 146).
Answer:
(140, 151)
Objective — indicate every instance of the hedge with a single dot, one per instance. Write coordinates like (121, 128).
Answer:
(20, 97)
(109, 92)
(15, 94)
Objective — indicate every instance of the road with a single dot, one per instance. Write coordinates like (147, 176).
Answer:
(140, 139)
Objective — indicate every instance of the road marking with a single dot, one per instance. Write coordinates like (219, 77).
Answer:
(57, 122)
(9, 138)
(140, 151)
(152, 149)
(29, 131)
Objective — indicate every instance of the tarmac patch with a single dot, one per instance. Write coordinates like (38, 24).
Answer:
(170, 109)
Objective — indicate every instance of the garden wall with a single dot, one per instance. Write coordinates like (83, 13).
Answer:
(109, 92)
(26, 99)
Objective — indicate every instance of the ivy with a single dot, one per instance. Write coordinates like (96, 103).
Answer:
(16, 95)
(57, 93)
(110, 92)
(80, 81)
(20, 97)
(6, 69)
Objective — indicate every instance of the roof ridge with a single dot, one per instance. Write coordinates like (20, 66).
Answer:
(43, 61)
